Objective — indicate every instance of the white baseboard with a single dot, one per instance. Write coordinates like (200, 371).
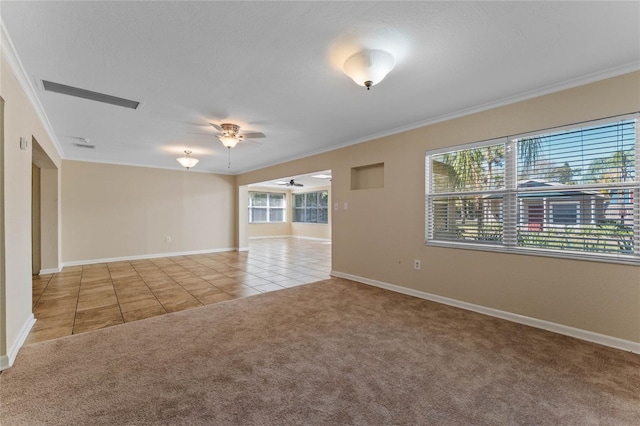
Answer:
(243, 249)
(602, 339)
(267, 237)
(50, 271)
(300, 237)
(144, 256)
(7, 360)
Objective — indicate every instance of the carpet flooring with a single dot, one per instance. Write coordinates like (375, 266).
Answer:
(332, 353)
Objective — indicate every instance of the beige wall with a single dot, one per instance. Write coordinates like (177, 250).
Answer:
(20, 120)
(382, 230)
(112, 211)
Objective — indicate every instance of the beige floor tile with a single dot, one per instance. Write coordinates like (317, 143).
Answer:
(94, 319)
(232, 286)
(268, 287)
(197, 286)
(59, 320)
(49, 308)
(128, 281)
(215, 298)
(290, 283)
(191, 279)
(181, 305)
(60, 293)
(101, 295)
(148, 302)
(221, 282)
(95, 292)
(142, 313)
(47, 334)
(134, 296)
(206, 291)
(243, 292)
(97, 302)
(167, 294)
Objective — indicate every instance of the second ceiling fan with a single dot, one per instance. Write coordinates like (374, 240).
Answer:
(290, 183)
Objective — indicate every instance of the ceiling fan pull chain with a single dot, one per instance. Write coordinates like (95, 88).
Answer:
(229, 164)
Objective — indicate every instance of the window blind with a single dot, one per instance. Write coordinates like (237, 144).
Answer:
(571, 190)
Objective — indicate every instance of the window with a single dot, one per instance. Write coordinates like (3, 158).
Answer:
(564, 192)
(266, 207)
(311, 207)
(564, 212)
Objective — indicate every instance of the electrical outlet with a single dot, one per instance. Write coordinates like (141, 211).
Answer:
(416, 264)
(167, 239)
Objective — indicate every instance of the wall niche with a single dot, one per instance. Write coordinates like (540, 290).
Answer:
(370, 176)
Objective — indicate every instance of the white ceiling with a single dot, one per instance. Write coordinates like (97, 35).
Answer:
(275, 67)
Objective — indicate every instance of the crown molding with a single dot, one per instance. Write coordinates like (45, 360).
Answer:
(9, 53)
(134, 164)
(531, 94)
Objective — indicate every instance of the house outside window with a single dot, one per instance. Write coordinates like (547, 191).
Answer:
(266, 207)
(311, 207)
(568, 192)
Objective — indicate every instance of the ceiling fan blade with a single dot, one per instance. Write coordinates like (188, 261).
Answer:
(217, 127)
(298, 184)
(253, 135)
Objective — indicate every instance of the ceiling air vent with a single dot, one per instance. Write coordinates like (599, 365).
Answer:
(80, 145)
(50, 86)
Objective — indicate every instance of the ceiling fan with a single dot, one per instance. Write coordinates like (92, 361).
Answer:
(290, 183)
(230, 136)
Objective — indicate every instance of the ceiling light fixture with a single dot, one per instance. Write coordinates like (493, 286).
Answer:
(187, 161)
(229, 141)
(369, 66)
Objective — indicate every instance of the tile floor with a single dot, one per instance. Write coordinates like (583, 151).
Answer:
(84, 298)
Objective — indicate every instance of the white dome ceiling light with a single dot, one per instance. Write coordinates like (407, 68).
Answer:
(369, 67)
(187, 161)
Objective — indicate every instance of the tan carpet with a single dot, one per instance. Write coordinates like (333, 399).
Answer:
(333, 352)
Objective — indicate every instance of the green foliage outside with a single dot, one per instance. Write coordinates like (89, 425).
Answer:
(610, 238)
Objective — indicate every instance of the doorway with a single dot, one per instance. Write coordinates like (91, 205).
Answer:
(44, 212)
(289, 207)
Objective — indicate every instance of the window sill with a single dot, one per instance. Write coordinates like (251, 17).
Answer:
(571, 255)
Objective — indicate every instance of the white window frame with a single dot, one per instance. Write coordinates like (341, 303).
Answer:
(305, 208)
(268, 208)
(511, 207)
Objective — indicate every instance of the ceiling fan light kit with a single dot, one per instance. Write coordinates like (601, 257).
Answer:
(187, 161)
(229, 141)
(369, 67)
(230, 135)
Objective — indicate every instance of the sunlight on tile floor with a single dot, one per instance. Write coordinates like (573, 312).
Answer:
(84, 298)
